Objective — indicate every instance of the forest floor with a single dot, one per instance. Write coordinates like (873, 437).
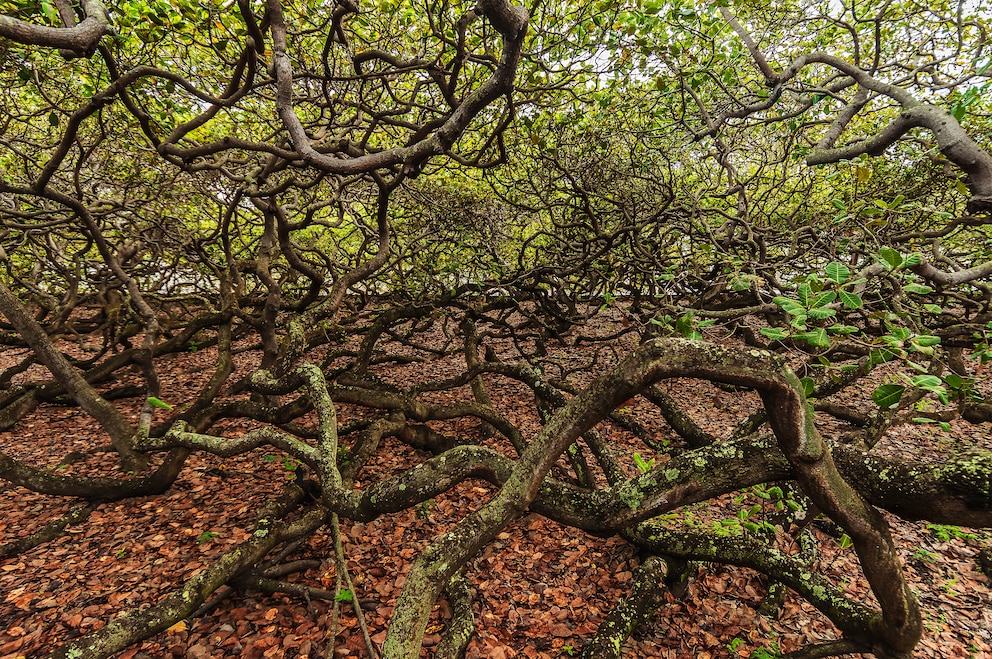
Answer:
(540, 590)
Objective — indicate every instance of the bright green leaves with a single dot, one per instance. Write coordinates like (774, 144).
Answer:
(50, 12)
(877, 211)
(888, 396)
(818, 305)
(817, 338)
(790, 307)
(983, 344)
(838, 273)
(890, 257)
(643, 465)
(684, 327)
(850, 300)
(149, 20)
(894, 260)
(816, 301)
(899, 342)
(932, 384)
(687, 325)
(159, 403)
(919, 289)
(774, 333)
(744, 282)
(961, 102)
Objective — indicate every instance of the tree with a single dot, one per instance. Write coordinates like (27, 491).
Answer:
(568, 198)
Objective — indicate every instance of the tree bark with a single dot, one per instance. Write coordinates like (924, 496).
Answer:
(121, 433)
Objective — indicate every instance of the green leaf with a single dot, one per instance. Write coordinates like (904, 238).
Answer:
(740, 284)
(643, 465)
(805, 293)
(344, 595)
(901, 333)
(851, 300)
(882, 355)
(808, 386)
(817, 337)
(927, 381)
(887, 396)
(790, 307)
(933, 308)
(913, 259)
(820, 313)
(774, 333)
(50, 12)
(954, 381)
(838, 273)
(890, 257)
(156, 402)
(53, 118)
(919, 289)
(843, 329)
(824, 298)
(206, 536)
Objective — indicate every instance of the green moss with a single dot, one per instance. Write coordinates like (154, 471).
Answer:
(630, 494)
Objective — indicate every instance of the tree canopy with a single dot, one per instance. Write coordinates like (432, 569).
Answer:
(588, 201)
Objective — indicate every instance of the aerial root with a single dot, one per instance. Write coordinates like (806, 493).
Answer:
(459, 632)
(647, 595)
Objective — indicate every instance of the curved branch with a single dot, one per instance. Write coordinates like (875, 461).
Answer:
(508, 19)
(78, 41)
(799, 440)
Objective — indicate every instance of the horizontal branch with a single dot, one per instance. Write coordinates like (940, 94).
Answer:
(78, 41)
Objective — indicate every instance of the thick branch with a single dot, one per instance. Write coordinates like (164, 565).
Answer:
(80, 40)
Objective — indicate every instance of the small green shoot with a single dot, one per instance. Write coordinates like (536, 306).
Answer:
(644, 465)
(946, 532)
(206, 536)
(424, 509)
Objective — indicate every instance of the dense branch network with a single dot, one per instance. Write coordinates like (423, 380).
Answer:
(313, 201)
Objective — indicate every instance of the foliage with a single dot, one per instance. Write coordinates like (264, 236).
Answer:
(791, 200)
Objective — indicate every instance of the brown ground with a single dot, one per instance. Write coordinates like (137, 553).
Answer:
(540, 590)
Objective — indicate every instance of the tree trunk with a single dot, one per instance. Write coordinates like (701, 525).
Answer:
(120, 431)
